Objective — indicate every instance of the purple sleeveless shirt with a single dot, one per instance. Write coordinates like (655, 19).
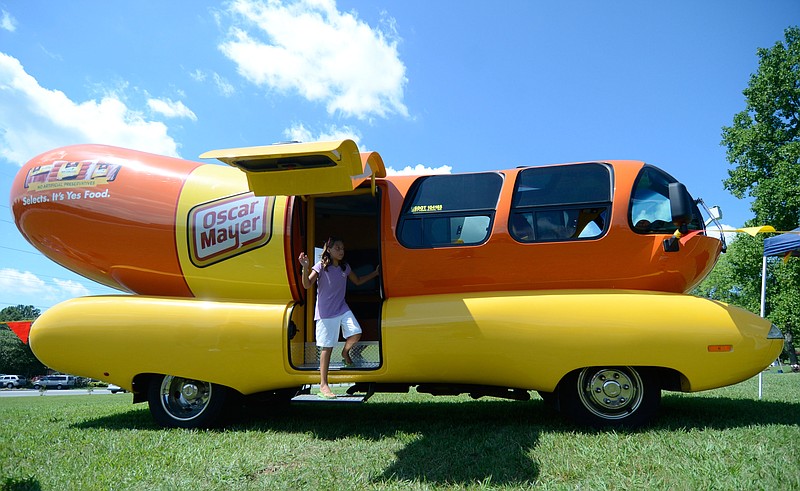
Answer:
(331, 286)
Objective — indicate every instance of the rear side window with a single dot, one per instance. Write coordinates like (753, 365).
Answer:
(561, 203)
(449, 210)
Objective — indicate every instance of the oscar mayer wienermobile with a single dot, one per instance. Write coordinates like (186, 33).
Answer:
(567, 279)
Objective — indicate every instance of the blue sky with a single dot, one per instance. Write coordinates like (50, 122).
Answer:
(454, 86)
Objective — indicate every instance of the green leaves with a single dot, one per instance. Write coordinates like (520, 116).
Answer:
(16, 357)
(763, 148)
(763, 143)
(19, 313)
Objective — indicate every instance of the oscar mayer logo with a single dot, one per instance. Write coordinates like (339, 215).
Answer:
(223, 228)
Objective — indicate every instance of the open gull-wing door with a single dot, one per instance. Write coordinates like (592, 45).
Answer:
(296, 169)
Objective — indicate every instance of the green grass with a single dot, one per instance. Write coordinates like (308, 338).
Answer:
(721, 439)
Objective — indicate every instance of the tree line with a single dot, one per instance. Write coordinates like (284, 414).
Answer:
(763, 150)
(16, 358)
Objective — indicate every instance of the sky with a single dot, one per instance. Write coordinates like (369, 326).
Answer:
(443, 86)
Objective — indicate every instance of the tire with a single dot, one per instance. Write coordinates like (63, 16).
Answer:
(59, 387)
(10, 385)
(610, 397)
(177, 402)
(37, 386)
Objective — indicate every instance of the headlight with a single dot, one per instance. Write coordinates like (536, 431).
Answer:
(774, 333)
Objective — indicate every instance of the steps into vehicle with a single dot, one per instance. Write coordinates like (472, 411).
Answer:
(340, 399)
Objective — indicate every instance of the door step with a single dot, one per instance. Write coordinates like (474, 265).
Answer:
(355, 393)
(340, 399)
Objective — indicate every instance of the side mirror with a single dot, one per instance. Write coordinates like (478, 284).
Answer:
(681, 205)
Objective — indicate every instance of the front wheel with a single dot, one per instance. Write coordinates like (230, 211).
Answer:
(610, 397)
(177, 402)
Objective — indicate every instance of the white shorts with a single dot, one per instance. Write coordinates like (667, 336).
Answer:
(328, 329)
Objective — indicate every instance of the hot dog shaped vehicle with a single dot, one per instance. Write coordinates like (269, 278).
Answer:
(566, 279)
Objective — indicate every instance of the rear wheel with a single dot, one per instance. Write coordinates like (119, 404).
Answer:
(610, 397)
(178, 402)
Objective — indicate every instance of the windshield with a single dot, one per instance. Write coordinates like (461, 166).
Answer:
(650, 210)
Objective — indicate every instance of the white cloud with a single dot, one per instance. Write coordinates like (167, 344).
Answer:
(71, 288)
(728, 230)
(225, 88)
(419, 169)
(34, 119)
(8, 22)
(13, 281)
(171, 109)
(308, 46)
(300, 133)
(198, 75)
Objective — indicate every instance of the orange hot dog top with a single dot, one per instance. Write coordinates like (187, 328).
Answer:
(106, 213)
(157, 225)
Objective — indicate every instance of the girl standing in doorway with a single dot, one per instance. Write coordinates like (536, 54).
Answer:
(332, 313)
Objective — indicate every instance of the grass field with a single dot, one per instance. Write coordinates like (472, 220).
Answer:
(721, 439)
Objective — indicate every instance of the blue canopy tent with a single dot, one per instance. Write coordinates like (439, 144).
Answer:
(782, 244)
(787, 244)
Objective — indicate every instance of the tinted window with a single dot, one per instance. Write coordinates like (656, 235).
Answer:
(650, 209)
(449, 210)
(568, 202)
(458, 192)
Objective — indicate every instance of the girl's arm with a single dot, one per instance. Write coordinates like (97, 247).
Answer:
(358, 280)
(308, 275)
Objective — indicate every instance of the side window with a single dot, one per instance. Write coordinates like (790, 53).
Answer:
(449, 210)
(650, 211)
(559, 203)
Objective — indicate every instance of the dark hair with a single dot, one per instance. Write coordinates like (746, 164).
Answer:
(326, 253)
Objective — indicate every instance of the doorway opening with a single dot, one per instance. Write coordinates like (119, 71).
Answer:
(354, 218)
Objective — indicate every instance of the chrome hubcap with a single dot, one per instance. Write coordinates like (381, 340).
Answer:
(184, 399)
(189, 392)
(610, 393)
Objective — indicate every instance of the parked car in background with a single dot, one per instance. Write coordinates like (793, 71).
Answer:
(12, 381)
(115, 388)
(55, 381)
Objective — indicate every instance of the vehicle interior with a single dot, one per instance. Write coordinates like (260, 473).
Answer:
(355, 219)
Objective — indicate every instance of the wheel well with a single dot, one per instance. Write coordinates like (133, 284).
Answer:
(142, 381)
(667, 378)
(140, 384)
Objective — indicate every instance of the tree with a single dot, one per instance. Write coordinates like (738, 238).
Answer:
(19, 313)
(736, 278)
(763, 146)
(15, 356)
